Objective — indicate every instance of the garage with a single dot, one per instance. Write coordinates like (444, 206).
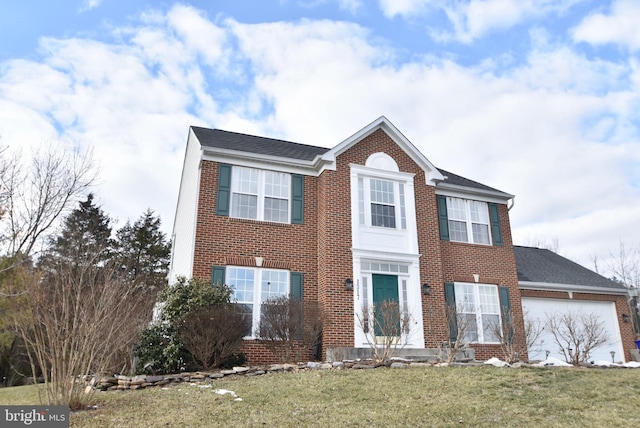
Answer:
(541, 308)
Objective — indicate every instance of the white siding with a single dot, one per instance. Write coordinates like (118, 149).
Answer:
(184, 226)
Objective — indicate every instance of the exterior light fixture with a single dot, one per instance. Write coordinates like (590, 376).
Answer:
(546, 357)
(625, 318)
(348, 284)
(426, 288)
(613, 355)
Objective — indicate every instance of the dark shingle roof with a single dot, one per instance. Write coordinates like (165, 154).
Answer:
(540, 265)
(218, 138)
(258, 145)
(465, 182)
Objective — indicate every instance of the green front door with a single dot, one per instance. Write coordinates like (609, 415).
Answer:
(386, 305)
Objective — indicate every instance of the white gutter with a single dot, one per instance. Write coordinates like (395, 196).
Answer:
(547, 286)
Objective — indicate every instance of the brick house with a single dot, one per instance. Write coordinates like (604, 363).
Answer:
(369, 219)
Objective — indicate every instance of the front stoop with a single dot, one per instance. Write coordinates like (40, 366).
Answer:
(635, 354)
(430, 355)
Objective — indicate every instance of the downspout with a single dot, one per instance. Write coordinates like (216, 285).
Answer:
(513, 202)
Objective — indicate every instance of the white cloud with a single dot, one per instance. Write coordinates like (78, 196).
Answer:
(621, 26)
(352, 6)
(530, 131)
(405, 8)
(88, 5)
(560, 130)
(129, 100)
(474, 19)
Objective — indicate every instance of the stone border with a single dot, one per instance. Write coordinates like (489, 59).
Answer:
(122, 383)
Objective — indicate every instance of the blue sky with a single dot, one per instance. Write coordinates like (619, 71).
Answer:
(539, 98)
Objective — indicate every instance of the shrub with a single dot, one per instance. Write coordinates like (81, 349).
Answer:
(160, 349)
(289, 328)
(576, 334)
(212, 335)
(186, 296)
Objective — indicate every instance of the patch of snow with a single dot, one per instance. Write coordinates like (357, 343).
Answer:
(553, 362)
(603, 363)
(205, 386)
(632, 365)
(226, 391)
(496, 362)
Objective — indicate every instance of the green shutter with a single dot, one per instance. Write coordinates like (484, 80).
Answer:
(505, 308)
(224, 189)
(450, 300)
(297, 199)
(217, 275)
(494, 215)
(443, 218)
(295, 297)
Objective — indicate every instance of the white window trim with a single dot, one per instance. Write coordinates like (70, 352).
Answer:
(257, 294)
(365, 202)
(478, 310)
(468, 222)
(261, 195)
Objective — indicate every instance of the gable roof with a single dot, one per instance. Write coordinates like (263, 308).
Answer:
(540, 266)
(227, 141)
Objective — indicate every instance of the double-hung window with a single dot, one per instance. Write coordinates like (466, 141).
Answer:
(468, 221)
(252, 287)
(260, 194)
(381, 203)
(478, 312)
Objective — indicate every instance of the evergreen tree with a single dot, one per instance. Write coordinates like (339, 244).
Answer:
(144, 251)
(85, 237)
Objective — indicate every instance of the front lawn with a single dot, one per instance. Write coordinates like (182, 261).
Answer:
(415, 397)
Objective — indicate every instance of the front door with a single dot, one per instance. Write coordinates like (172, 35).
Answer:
(385, 298)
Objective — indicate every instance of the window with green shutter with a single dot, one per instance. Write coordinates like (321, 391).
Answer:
(224, 189)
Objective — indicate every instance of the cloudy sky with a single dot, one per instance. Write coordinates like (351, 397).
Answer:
(538, 98)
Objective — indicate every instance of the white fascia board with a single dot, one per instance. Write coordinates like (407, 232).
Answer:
(432, 174)
(374, 172)
(547, 286)
(387, 256)
(253, 160)
(484, 195)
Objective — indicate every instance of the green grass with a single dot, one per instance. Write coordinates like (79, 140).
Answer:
(419, 397)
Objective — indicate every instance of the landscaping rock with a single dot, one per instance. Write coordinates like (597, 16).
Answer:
(363, 366)
(276, 367)
(399, 365)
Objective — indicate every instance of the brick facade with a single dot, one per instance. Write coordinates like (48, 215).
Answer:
(321, 249)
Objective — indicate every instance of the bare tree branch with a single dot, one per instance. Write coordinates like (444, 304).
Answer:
(35, 194)
(386, 328)
(576, 334)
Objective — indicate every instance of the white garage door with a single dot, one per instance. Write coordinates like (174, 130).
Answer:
(539, 309)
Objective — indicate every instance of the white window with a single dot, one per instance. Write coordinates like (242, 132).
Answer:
(478, 312)
(381, 203)
(252, 287)
(468, 221)
(260, 195)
